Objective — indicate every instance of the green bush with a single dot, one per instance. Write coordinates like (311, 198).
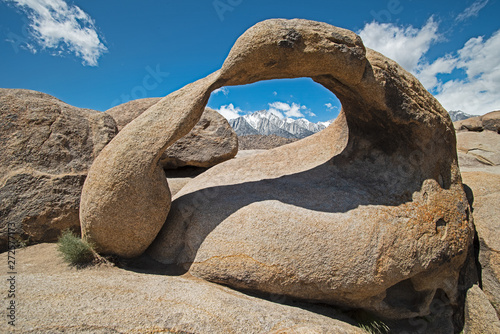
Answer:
(74, 250)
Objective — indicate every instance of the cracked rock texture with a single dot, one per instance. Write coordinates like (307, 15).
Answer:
(47, 149)
(210, 142)
(369, 213)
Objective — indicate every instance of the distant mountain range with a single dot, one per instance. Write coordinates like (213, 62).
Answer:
(459, 115)
(265, 123)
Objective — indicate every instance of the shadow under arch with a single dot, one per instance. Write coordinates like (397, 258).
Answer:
(377, 155)
(383, 167)
(337, 185)
(369, 156)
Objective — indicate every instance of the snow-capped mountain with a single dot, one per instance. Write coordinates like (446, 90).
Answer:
(458, 115)
(266, 123)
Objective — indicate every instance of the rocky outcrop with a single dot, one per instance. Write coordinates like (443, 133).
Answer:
(485, 188)
(480, 316)
(210, 142)
(58, 299)
(126, 112)
(469, 124)
(47, 149)
(259, 142)
(369, 213)
(478, 150)
(489, 121)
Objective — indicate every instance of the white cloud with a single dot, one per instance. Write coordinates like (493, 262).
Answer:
(307, 111)
(222, 90)
(63, 28)
(472, 10)
(330, 107)
(427, 73)
(407, 46)
(310, 113)
(280, 108)
(276, 112)
(229, 111)
(275, 93)
(479, 92)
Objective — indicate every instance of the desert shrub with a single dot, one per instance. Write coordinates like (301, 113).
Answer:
(375, 327)
(370, 323)
(74, 250)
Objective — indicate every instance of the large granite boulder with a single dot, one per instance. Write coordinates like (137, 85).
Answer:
(485, 188)
(369, 213)
(126, 112)
(480, 316)
(210, 142)
(47, 149)
(478, 150)
(489, 121)
(469, 124)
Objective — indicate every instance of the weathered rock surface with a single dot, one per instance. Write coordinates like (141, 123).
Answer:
(47, 149)
(126, 198)
(247, 153)
(478, 150)
(210, 142)
(489, 121)
(486, 191)
(126, 112)
(259, 142)
(368, 213)
(480, 316)
(469, 124)
(55, 298)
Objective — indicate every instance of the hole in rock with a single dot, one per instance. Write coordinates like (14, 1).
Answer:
(440, 225)
(186, 171)
(439, 304)
(404, 296)
(289, 108)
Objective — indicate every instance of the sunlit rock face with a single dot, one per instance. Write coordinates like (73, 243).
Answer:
(368, 213)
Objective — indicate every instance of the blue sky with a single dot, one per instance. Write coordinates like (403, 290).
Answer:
(97, 54)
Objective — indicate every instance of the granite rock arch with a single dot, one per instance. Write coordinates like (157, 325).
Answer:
(374, 200)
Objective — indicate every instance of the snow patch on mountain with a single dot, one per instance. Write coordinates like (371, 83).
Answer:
(264, 122)
(459, 115)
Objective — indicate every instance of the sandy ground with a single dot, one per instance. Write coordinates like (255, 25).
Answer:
(51, 297)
